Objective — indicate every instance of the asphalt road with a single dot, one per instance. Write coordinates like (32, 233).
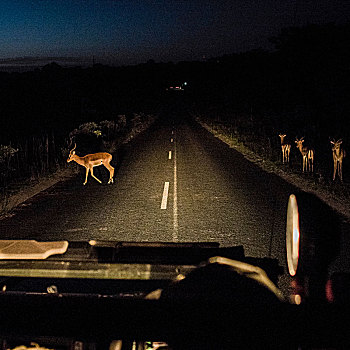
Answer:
(173, 183)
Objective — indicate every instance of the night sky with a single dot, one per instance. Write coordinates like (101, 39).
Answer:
(134, 31)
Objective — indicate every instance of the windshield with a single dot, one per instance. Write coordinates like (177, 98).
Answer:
(175, 122)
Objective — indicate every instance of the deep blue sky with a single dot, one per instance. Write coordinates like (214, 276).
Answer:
(133, 31)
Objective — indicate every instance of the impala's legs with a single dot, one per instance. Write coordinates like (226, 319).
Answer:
(92, 174)
(340, 170)
(312, 160)
(335, 166)
(111, 171)
(87, 173)
(288, 151)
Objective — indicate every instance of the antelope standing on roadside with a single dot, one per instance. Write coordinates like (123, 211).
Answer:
(308, 155)
(338, 156)
(90, 161)
(285, 148)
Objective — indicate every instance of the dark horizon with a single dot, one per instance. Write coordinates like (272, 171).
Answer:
(30, 63)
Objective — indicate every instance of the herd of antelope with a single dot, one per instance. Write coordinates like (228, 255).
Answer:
(308, 154)
(91, 160)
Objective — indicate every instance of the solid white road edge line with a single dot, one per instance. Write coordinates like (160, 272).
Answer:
(175, 214)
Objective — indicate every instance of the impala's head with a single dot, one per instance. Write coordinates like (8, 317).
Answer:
(71, 154)
(282, 137)
(336, 144)
(298, 142)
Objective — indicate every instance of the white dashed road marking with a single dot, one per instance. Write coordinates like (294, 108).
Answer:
(165, 196)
